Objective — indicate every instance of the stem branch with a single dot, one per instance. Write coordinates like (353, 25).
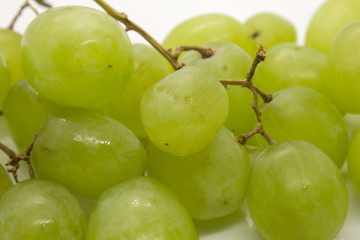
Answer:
(16, 158)
(168, 54)
(18, 14)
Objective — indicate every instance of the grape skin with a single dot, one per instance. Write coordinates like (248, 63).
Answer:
(212, 183)
(87, 61)
(343, 85)
(229, 62)
(40, 210)
(87, 152)
(334, 14)
(269, 29)
(4, 81)
(141, 208)
(296, 192)
(24, 111)
(288, 64)
(10, 43)
(184, 111)
(299, 113)
(5, 182)
(149, 69)
(200, 30)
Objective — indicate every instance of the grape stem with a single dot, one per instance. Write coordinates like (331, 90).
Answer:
(43, 3)
(16, 158)
(171, 55)
(18, 14)
(248, 83)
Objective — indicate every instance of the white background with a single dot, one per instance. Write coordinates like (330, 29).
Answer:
(158, 17)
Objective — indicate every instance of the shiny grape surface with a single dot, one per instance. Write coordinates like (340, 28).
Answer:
(40, 210)
(299, 113)
(87, 61)
(10, 43)
(87, 152)
(184, 111)
(296, 192)
(229, 62)
(343, 85)
(353, 161)
(212, 183)
(141, 208)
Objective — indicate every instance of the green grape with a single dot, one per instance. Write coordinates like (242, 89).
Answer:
(270, 29)
(328, 20)
(5, 181)
(211, 183)
(184, 111)
(352, 122)
(209, 28)
(141, 208)
(288, 64)
(353, 161)
(229, 62)
(296, 192)
(4, 81)
(85, 60)
(40, 210)
(149, 69)
(10, 43)
(343, 85)
(25, 110)
(299, 113)
(87, 152)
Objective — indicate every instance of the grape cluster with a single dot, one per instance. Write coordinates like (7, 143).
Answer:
(161, 139)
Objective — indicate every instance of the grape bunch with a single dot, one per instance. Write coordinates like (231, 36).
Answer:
(134, 141)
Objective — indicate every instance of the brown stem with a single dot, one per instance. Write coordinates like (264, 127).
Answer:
(43, 3)
(18, 14)
(168, 54)
(260, 56)
(16, 158)
(267, 97)
(205, 52)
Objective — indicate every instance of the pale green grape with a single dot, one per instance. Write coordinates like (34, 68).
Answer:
(10, 42)
(270, 29)
(229, 62)
(87, 152)
(296, 192)
(4, 81)
(328, 20)
(85, 60)
(149, 69)
(184, 111)
(352, 122)
(289, 64)
(141, 208)
(343, 85)
(211, 183)
(353, 161)
(209, 28)
(25, 110)
(299, 113)
(5, 182)
(40, 210)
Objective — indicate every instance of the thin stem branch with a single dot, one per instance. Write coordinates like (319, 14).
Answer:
(18, 14)
(16, 158)
(260, 56)
(167, 53)
(43, 3)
